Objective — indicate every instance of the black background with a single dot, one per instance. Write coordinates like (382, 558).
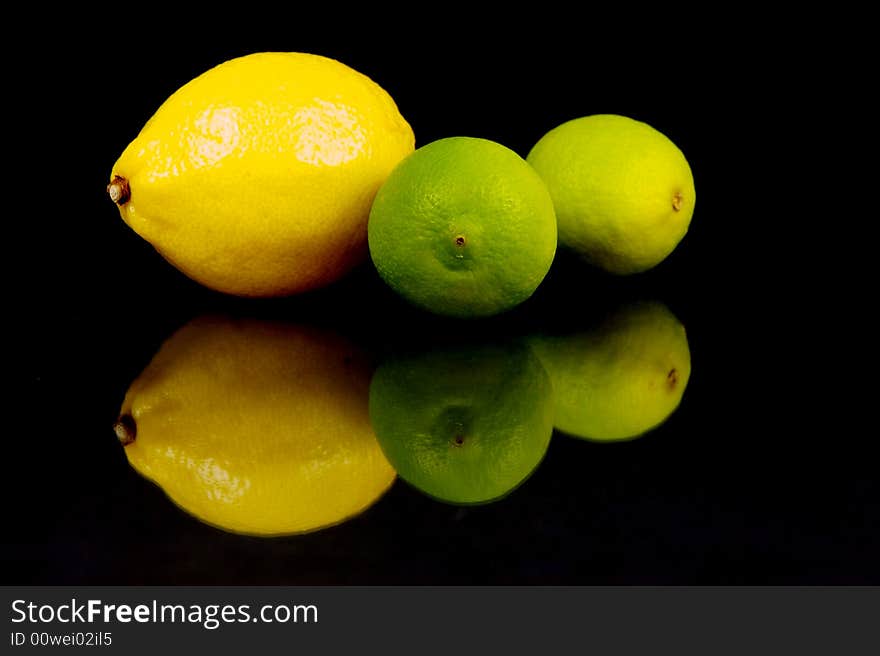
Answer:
(746, 483)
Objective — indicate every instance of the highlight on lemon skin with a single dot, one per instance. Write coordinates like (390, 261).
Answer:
(256, 427)
(256, 178)
(620, 379)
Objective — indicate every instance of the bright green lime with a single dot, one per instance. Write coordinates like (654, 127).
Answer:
(463, 227)
(465, 425)
(622, 379)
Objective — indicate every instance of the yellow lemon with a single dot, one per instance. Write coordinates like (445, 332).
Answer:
(257, 427)
(256, 178)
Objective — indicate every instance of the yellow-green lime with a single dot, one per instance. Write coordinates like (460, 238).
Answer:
(463, 227)
(624, 193)
(620, 379)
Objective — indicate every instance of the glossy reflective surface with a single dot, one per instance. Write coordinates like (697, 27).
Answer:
(762, 474)
(721, 489)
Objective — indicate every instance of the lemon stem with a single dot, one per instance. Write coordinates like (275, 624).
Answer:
(676, 202)
(125, 429)
(119, 190)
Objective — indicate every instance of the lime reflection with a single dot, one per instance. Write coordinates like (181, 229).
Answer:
(466, 424)
(620, 379)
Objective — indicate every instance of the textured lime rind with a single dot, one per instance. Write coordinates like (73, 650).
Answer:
(463, 227)
(623, 192)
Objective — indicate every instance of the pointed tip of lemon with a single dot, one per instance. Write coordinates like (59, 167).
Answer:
(119, 190)
(125, 429)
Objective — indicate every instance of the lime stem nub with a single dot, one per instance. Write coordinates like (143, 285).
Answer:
(119, 190)
(676, 202)
(125, 429)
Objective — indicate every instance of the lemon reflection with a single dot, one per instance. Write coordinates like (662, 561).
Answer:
(464, 425)
(257, 427)
(620, 379)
